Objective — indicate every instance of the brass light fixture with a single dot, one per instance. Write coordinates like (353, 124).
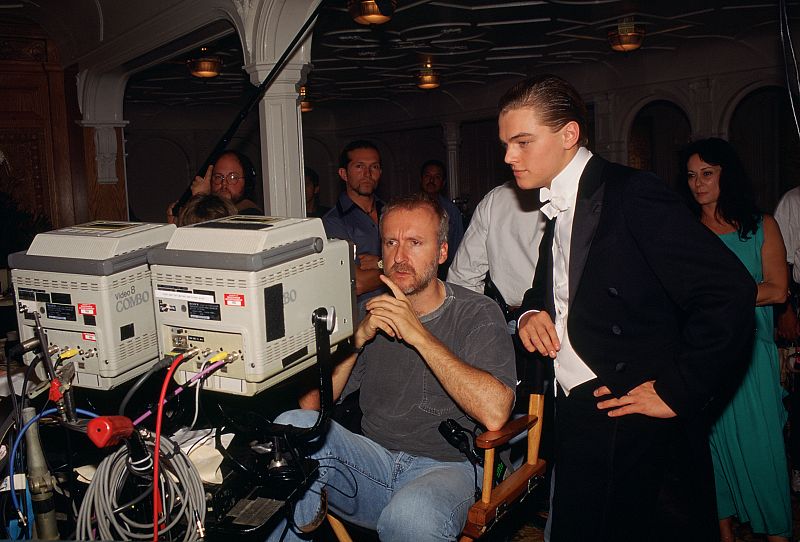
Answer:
(305, 104)
(371, 11)
(627, 36)
(427, 78)
(206, 66)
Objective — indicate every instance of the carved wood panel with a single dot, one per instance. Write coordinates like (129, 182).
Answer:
(33, 125)
(23, 169)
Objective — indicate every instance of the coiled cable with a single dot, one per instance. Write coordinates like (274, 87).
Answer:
(102, 517)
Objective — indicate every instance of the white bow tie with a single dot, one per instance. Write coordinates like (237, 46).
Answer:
(554, 206)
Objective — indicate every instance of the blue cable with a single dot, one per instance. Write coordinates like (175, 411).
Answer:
(11, 460)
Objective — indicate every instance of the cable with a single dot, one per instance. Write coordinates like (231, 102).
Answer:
(161, 400)
(789, 55)
(198, 386)
(24, 391)
(163, 363)
(21, 434)
(179, 389)
(102, 517)
(11, 387)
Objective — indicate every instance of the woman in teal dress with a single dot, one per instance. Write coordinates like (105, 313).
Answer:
(747, 447)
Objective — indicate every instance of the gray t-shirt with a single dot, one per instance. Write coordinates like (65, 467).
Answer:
(403, 402)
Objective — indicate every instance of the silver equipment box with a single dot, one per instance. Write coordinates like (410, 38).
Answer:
(90, 284)
(249, 285)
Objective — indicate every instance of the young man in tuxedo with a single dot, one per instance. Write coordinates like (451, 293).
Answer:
(643, 311)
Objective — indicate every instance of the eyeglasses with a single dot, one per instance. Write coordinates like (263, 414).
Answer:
(232, 178)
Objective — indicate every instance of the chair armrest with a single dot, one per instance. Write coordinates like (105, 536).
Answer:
(493, 439)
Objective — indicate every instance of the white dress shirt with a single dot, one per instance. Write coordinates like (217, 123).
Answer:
(502, 238)
(787, 215)
(570, 369)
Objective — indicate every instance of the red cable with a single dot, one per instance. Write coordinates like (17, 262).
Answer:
(156, 493)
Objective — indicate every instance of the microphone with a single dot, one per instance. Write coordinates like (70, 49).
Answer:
(459, 438)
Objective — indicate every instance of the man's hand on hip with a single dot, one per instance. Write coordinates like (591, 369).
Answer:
(642, 399)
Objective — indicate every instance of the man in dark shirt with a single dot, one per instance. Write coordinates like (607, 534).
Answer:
(355, 216)
(427, 352)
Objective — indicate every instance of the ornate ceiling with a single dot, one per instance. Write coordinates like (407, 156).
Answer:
(470, 43)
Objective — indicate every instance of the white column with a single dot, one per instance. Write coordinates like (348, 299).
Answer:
(100, 98)
(281, 131)
(268, 27)
(105, 148)
(452, 138)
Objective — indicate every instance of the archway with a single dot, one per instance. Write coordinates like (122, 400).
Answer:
(764, 134)
(657, 134)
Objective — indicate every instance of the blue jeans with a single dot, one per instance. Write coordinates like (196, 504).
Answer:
(402, 497)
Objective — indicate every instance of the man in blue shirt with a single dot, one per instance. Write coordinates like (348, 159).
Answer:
(433, 177)
(355, 216)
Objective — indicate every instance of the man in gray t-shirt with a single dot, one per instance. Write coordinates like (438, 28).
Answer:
(424, 353)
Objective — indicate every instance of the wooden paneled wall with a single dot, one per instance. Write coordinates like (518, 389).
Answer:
(33, 125)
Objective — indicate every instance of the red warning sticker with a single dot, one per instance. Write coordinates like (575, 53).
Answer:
(234, 300)
(87, 308)
(88, 336)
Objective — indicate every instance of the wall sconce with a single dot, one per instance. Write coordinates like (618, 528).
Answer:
(427, 78)
(371, 11)
(628, 36)
(205, 66)
(305, 104)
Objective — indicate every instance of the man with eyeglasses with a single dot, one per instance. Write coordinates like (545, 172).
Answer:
(355, 216)
(232, 177)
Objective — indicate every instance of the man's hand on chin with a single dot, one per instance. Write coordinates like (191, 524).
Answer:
(642, 399)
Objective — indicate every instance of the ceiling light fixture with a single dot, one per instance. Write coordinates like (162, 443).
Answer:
(427, 78)
(627, 36)
(206, 66)
(305, 104)
(371, 11)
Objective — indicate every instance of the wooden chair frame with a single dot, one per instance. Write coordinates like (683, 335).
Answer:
(495, 500)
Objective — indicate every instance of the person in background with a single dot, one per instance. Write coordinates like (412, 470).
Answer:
(232, 177)
(433, 181)
(357, 211)
(426, 352)
(502, 239)
(643, 311)
(203, 208)
(787, 215)
(313, 208)
(747, 448)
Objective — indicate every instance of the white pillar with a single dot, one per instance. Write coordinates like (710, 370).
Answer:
(281, 131)
(268, 27)
(452, 138)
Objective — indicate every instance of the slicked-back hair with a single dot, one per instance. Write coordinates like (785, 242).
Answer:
(556, 102)
(344, 157)
(413, 202)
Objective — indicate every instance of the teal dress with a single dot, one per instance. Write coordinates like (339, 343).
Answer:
(747, 448)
